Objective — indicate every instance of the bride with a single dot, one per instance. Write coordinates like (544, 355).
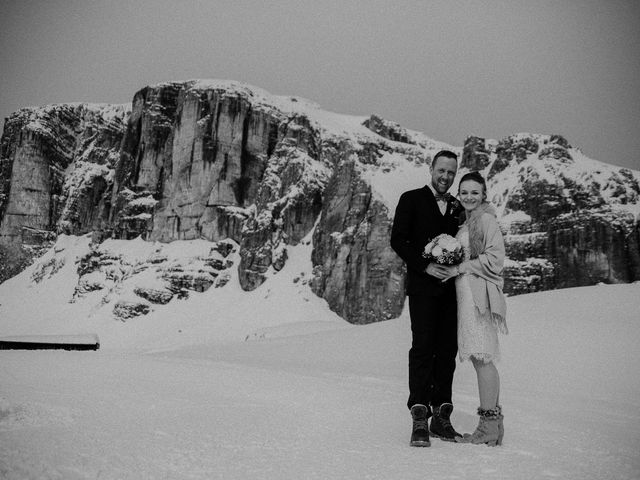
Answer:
(481, 303)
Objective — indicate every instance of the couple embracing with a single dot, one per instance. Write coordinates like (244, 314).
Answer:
(454, 309)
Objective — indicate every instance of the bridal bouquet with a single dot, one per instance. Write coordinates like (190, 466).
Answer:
(445, 250)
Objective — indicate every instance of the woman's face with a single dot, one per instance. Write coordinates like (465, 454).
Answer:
(471, 194)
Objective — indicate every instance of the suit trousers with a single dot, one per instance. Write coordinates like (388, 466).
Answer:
(432, 358)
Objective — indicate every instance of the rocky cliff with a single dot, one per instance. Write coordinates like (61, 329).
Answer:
(568, 220)
(56, 169)
(255, 175)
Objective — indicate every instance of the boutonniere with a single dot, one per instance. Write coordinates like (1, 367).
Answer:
(455, 203)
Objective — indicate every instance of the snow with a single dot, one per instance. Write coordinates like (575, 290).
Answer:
(582, 169)
(517, 216)
(271, 384)
(37, 120)
(147, 202)
(329, 122)
(393, 175)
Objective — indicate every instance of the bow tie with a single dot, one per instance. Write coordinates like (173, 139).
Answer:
(442, 197)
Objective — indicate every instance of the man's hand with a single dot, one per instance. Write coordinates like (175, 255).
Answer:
(441, 272)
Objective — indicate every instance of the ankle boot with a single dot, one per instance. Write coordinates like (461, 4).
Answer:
(441, 423)
(420, 431)
(487, 431)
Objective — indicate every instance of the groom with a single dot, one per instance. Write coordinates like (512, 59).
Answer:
(421, 215)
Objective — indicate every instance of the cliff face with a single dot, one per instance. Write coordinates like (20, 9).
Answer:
(356, 270)
(56, 165)
(211, 161)
(255, 175)
(200, 153)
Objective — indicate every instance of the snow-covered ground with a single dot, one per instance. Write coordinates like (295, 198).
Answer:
(272, 385)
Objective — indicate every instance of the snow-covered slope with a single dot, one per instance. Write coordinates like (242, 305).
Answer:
(51, 298)
(328, 404)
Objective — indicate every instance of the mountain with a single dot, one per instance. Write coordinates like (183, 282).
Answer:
(247, 176)
(569, 220)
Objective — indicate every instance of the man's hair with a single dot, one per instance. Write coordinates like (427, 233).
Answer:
(444, 153)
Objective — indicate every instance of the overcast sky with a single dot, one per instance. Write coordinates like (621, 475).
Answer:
(447, 68)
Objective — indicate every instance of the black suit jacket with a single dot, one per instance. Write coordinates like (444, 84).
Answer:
(417, 221)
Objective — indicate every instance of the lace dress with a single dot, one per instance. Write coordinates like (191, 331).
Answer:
(477, 334)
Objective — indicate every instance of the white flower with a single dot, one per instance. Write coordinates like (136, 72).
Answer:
(436, 251)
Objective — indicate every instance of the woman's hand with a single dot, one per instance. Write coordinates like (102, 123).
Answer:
(451, 272)
(441, 272)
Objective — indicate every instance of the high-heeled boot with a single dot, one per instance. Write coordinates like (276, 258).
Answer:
(487, 431)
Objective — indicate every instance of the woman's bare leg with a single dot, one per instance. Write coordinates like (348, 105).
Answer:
(488, 383)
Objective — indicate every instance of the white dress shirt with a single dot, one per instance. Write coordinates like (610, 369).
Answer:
(442, 203)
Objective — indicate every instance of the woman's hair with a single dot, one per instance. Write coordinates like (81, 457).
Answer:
(476, 177)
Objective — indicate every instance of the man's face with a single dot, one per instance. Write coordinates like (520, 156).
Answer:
(443, 172)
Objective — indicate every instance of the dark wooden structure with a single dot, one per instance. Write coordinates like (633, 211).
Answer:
(50, 342)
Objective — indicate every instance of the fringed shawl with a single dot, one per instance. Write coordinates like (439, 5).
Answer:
(485, 264)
